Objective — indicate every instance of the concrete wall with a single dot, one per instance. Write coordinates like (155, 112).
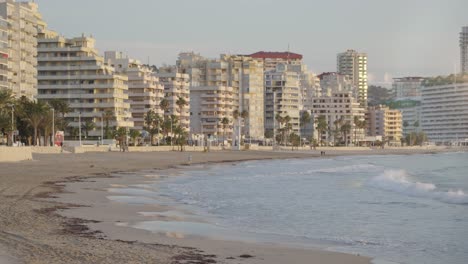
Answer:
(46, 150)
(12, 154)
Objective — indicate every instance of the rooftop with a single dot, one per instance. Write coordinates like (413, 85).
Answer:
(276, 55)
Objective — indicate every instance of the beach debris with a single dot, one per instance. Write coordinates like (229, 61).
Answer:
(193, 257)
(246, 256)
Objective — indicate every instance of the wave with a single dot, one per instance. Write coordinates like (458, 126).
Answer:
(350, 168)
(398, 181)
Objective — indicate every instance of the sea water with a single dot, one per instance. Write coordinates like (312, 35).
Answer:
(402, 209)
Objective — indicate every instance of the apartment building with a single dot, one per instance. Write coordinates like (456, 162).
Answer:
(407, 87)
(334, 82)
(272, 59)
(251, 93)
(385, 122)
(4, 83)
(145, 91)
(464, 50)
(176, 86)
(214, 95)
(444, 109)
(24, 22)
(338, 108)
(283, 97)
(72, 70)
(354, 65)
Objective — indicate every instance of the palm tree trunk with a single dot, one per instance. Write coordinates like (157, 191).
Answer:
(35, 136)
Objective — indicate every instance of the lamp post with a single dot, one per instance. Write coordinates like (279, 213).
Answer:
(53, 127)
(12, 122)
(102, 129)
(79, 126)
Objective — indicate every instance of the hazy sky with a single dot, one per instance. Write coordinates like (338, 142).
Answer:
(401, 37)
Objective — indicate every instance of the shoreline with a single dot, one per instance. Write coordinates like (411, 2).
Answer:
(31, 230)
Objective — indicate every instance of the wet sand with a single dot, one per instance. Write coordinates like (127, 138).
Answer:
(32, 229)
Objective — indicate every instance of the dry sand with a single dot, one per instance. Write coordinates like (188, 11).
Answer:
(32, 231)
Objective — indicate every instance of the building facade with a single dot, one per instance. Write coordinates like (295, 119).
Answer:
(214, 95)
(4, 83)
(338, 108)
(71, 70)
(251, 93)
(354, 65)
(272, 59)
(24, 22)
(176, 86)
(145, 91)
(283, 97)
(444, 112)
(385, 122)
(464, 50)
(407, 87)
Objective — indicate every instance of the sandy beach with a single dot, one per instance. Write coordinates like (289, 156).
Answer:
(37, 227)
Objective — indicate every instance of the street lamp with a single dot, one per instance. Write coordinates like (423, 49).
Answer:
(79, 126)
(53, 127)
(12, 122)
(102, 129)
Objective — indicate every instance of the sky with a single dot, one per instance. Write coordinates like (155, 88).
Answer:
(400, 37)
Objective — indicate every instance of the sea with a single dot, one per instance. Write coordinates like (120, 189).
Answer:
(394, 208)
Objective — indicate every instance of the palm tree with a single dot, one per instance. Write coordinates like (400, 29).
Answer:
(164, 104)
(336, 131)
(121, 137)
(322, 126)
(405, 125)
(225, 123)
(62, 107)
(152, 124)
(181, 137)
(88, 126)
(181, 103)
(134, 134)
(305, 119)
(363, 125)
(108, 116)
(33, 113)
(280, 120)
(6, 111)
(356, 125)
(346, 129)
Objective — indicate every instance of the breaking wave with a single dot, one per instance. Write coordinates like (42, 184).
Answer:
(398, 181)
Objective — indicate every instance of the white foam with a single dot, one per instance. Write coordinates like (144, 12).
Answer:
(398, 181)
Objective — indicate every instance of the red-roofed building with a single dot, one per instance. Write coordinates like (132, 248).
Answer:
(276, 55)
(271, 59)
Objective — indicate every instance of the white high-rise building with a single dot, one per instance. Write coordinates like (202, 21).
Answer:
(176, 87)
(24, 22)
(251, 92)
(338, 108)
(214, 95)
(72, 70)
(145, 91)
(283, 97)
(354, 65)
(407, 87)
(4, 83)
(464, 50)
(444, 114)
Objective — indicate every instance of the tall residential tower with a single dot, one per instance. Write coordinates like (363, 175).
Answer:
(354, 65)
(23, 24)
(464, 49)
